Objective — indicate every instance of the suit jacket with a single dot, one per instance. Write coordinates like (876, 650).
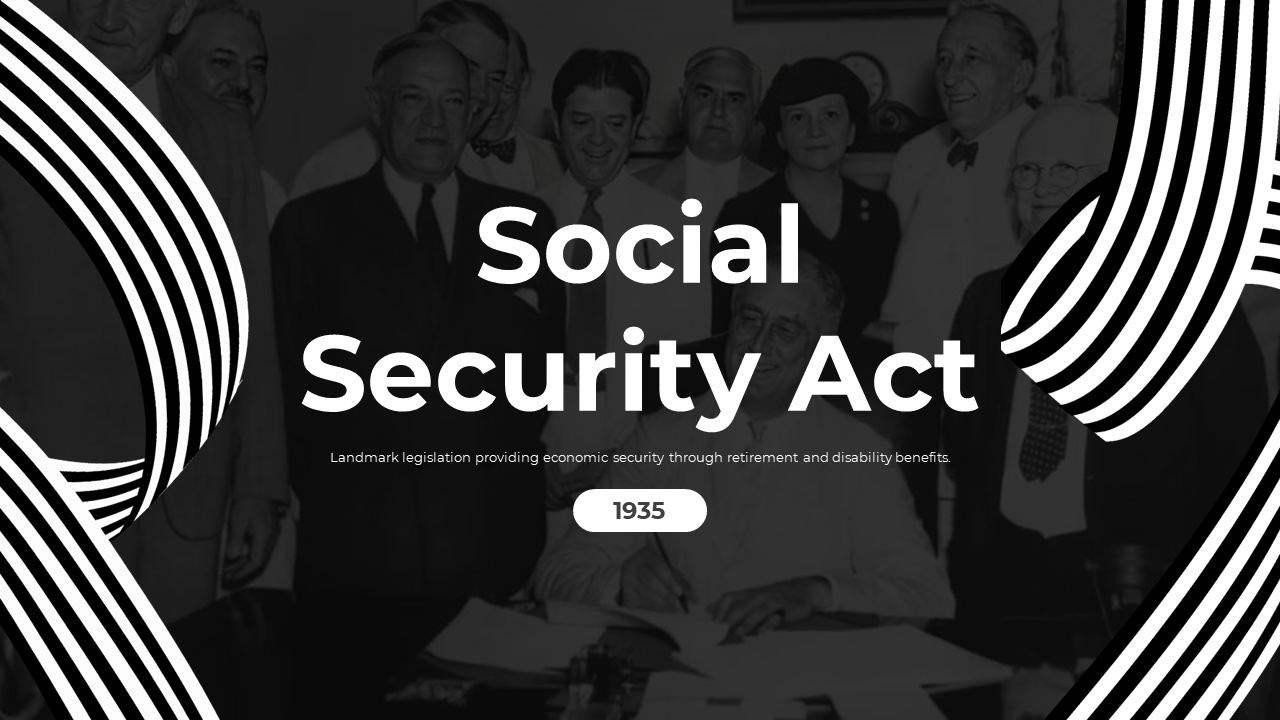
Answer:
(1152, 489)
(75, 382)
(861, 253)
(347, 263)
(671, 176)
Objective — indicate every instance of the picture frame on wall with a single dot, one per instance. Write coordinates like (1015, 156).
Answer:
(808, 9)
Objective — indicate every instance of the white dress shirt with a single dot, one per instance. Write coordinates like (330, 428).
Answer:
(1054, 506)
(670, 310)
(854, 524)
(712, 185)
(957, 224)
(408, 197)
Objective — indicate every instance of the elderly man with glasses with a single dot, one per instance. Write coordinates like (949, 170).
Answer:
(1055, 529)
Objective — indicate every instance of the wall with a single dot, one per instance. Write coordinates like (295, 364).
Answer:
(321, 51)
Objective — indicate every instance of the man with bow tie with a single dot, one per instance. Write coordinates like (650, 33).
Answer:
(951, 183)
(504, 154)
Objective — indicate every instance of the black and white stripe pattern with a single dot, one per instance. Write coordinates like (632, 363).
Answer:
(88, 633)
(1116, 303)
(144, 216)
(1114, 314)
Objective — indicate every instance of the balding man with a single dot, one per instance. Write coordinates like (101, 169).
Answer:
(777, 545)
(950, 183)
(718, 107)
(392, 258)
(1049, 518)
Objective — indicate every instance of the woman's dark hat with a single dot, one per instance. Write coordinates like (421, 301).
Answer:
(811, 78)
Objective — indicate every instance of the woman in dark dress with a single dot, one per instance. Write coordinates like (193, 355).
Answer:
(812, 111)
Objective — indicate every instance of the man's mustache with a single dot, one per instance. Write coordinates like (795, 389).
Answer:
(237, 95)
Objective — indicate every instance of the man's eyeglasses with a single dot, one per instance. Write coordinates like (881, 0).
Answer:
(1062, 175)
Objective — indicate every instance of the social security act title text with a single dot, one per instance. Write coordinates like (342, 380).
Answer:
(666, 361)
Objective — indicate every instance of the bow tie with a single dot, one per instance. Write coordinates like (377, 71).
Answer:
(963, 152)
(505, 150)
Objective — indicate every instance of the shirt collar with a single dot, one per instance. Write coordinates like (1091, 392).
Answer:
(697, 164)
(404, 188)
(1007, 129)
(147, 90)
(578, 188)
(774, 429)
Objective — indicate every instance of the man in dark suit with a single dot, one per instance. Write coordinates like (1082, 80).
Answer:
(1051, 523)
(391, 258)
(718, 104)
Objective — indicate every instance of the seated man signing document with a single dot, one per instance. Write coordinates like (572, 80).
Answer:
(781, 540)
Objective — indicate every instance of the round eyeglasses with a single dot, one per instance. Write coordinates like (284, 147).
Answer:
(1062, 175)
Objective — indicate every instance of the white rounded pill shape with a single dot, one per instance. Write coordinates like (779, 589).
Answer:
(665, 510)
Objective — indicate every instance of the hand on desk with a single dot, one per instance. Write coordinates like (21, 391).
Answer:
(649, 583)
(766, 608)
(252, 531)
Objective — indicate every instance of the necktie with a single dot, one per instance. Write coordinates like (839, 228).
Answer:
(1045, 444)
(586, 331)
(963, 151)
(431, 242)
(505, 150)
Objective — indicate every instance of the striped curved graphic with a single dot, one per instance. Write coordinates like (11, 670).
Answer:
(144, 216)
(1117, 301)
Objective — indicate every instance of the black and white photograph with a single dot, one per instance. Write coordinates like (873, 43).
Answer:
(633, 360)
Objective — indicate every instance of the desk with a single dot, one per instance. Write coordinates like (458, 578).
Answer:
(346, 653)
(543, 696)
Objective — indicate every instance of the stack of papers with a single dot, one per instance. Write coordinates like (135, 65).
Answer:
(808, 664)
(484, 634)
(691, 632)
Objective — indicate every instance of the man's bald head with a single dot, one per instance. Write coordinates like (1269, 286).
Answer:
(1066, 145)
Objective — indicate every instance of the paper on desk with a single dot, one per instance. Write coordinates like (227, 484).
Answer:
(691, 632)
(484, 634)
(902, 703)
(808, 663)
